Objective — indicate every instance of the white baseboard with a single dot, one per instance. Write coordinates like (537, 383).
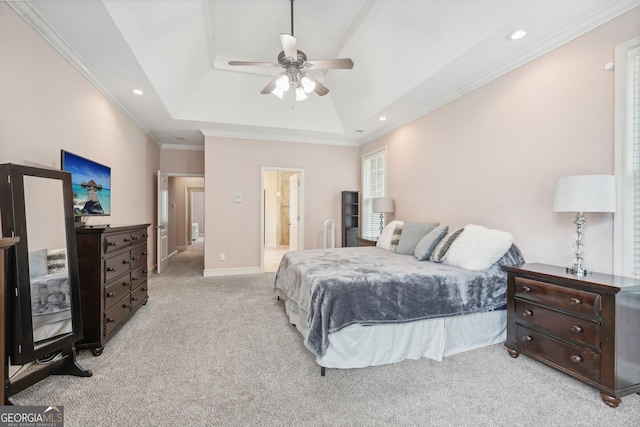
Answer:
(172, 253)
(231, 271)
(181, 248)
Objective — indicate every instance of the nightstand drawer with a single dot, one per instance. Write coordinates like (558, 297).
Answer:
(568, 299)
(578, 360)
(559, 324)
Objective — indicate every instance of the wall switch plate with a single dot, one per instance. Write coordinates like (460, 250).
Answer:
(221, 257)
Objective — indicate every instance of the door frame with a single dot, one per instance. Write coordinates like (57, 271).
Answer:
(300, 171)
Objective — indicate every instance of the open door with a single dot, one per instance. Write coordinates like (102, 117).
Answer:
(294, 212)
(163, 221)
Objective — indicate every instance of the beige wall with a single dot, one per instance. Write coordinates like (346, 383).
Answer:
(46, 105)
(187, 162)
(233, 167)
(491, 157)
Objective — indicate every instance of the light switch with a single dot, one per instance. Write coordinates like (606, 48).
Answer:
(237, 198)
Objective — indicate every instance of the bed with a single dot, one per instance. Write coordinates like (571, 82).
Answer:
(367, 306)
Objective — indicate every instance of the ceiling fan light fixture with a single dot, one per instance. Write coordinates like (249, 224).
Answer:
(277, 92)
(300, 94)
(283, 83)
(307, 84)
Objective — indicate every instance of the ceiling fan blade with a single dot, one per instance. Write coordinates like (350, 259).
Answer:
(255, 63)
(272, 85)
(289, 46)
(320, 89)
(329, 64)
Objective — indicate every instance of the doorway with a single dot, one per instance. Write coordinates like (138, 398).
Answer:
(282, 214)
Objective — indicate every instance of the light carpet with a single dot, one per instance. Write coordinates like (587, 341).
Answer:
(219, 351)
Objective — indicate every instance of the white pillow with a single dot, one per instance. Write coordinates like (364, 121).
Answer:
(478, 248)
(384, 241)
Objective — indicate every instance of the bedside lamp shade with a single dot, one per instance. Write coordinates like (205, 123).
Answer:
(383, 205)
(580, 194)
(585, 193)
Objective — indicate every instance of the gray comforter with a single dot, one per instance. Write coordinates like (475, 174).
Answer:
(369, 285)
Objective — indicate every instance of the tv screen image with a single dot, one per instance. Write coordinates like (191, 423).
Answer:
(90, 183)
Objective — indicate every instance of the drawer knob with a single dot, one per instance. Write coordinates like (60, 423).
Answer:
(135, 279)
(575, 301)
(526, 289)
(135, 258)
(527, 313)
(576, 358)
(114, 243)
(527, 338)
(576, 329)
(135, 238)
(144, 271)
(145, 253)
(145, 235)
(110, 295)
(134, 299)
(125, 283)
(143, 289)
(126, 305)
(126, 240)
(111, 269)
(124, 261)
(110, 320)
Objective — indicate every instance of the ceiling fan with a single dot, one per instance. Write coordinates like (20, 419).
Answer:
(296, 74)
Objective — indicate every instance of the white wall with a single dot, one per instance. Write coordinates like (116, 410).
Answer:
(491, 157)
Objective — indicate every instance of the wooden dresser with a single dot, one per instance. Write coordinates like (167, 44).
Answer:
(588, 327)
(112, 263)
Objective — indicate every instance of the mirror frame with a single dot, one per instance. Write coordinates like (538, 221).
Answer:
(19, 328)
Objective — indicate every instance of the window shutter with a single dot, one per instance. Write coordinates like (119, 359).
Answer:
(373, 185)
(635, 92)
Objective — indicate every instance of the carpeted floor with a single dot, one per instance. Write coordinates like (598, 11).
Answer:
(220, 352)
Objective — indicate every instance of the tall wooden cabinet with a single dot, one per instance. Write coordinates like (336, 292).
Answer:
(112, 263)
(350, 218)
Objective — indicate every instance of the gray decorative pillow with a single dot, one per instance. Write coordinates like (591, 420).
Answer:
(427, 244)
(397, 232)
(412, 232)
(441, 249)
(57, 261)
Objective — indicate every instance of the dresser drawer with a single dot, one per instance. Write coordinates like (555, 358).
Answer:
(138, 276)
(116, 291)
(573, 300)
(139, 236)
(113, 242)
(115, 266)
(559, 324)
(116, 314)
(576, 359)
(138, 256)
(139, 295)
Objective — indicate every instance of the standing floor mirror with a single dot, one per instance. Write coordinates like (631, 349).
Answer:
(43, 318)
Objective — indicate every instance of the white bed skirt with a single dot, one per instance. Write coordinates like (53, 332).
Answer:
(358, 346)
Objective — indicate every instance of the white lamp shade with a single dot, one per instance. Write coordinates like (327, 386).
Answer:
(585, 193)
(383, 205)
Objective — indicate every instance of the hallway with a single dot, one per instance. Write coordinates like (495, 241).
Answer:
(189, 262)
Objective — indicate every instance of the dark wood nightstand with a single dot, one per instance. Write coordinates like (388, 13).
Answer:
(587, 328)
(366, 242)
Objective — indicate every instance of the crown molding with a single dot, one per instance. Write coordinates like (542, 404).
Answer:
(277, 138)
(42, 27)
(182, 147)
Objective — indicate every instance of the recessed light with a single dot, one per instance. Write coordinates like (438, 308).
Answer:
(357, 131)
(137, 91)
(382, 118)
(516, 35)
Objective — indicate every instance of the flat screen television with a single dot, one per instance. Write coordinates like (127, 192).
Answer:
(90, 184)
